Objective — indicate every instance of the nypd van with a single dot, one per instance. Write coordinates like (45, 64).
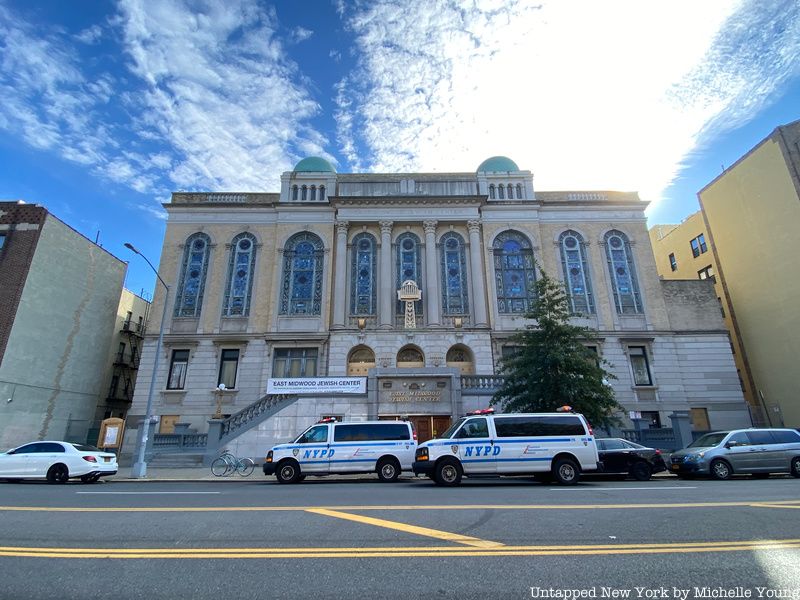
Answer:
(547, 446)
(333, 448)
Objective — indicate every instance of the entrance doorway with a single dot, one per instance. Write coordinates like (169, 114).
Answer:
(426, 426)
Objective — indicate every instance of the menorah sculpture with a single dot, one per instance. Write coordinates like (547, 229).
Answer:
(410, 293)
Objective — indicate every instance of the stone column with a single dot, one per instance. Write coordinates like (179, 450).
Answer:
(386, 289)
(431, 293)
(478, 274)
(340, 276)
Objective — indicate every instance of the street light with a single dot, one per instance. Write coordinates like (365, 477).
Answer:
(139, 468)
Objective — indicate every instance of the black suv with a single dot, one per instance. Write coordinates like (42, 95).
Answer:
(622, 456)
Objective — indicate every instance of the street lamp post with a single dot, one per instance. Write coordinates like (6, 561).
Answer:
(139, 468)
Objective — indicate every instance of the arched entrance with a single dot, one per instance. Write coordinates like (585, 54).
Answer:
(460, 357)
(360, 361)
(410, 357)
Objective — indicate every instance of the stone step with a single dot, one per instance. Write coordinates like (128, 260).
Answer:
(176, 460)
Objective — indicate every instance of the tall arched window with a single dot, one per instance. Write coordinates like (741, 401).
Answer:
(362, 275)
(501, 191)
(514, 272)
(294, 192)
(304, 193)
(322, 192)
(510, 192)
(192, 283)
(313, 192)
(409, 266)
(492, 194)
(576, 272)
(301, 288)
(519, 191)
(454, 275)
(623, 273)
(239, 284)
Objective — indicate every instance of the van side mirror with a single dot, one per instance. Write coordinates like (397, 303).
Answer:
(731, 444)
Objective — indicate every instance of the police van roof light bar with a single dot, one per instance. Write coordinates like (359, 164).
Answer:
(483, 411)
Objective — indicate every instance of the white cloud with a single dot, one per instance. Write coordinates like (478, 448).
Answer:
(220, 90)
(301, 34)
(586, 94)
(90, 35)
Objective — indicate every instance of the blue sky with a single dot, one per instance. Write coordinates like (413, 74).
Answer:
(108, 107)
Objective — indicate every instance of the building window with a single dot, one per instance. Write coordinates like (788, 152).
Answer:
(361, 360)
(576, 273)
(410, 357)
(623, 273)
(241, 266)
(409, 267)
(492, 194)
(193, 276)
(295, 362)
(640, 365)
(322, 193)
(2, 240)
(228, 365)
(514, 272)
(313, 192)
(362, 275)
(301, 290)
(698, 245)
(519, 191)
(673, 264)
(510, 192)
(177, 370)
(652, 419)
(304, 193)
(454, 275)
(593, 353)
(460, 358)
(501, 191)
(707, 273)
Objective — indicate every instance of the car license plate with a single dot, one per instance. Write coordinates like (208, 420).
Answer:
(675, 467)
(107, 459)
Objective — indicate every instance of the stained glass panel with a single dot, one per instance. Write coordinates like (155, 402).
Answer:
(515, 273)
(362, 275)
(189, 299)
(240, 276)
(301, 288)
(576, 273)
(454, 275)
(622, 273)
(408, 266)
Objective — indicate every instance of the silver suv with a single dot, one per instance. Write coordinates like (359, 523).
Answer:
(723, 453)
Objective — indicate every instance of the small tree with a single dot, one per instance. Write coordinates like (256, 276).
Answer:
(552, 366)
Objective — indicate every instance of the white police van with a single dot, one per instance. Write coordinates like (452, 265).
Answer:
(333, 448)
(548, 446)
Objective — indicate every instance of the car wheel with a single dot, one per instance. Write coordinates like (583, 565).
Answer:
(795, 466)
(388, 470)
(448, 472)
(288, 472)
(566, 471)
(641, 471)
(58, 474)
(720, 470)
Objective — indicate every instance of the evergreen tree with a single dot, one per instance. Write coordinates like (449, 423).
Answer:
(552, 366)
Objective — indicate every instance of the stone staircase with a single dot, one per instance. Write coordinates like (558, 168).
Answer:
(188, 449)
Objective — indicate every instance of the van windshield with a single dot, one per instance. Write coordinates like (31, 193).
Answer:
(709, 440)
(452, 429)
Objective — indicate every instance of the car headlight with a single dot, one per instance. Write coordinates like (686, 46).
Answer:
(694, 457)
(422, 454)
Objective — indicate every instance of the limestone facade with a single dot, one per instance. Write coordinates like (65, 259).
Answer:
(454, 352)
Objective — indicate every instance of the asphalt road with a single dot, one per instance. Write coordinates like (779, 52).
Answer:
(363, 539)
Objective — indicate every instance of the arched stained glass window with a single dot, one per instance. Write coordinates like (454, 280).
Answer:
(454, 275)
(492, 194)
(409, 266)
(501, 191)
(301, 288)
(519, 191)
(514, 272)
(623, 273)
(193, 276)
(576, 272)
(362, 275)
(239, 285)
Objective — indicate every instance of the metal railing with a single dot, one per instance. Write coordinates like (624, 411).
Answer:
(242, 419)
(180, 441)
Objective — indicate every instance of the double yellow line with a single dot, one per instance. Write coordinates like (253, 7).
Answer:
(390, 552)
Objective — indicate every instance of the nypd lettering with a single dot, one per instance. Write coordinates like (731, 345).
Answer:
(482, 450)
(320, 453)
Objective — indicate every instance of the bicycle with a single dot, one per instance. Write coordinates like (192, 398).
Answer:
(228, 464)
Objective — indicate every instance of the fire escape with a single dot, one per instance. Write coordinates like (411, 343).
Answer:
(126, 363)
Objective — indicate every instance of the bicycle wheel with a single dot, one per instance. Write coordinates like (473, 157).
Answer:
(219, 467)
(245, 467)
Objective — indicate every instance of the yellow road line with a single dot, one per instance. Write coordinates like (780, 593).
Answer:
(416, 530)
(263, 553)
(755, 503)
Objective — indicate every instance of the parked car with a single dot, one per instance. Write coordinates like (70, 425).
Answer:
(328, 448)
(545, 445)
(58, 462)
(625, 457)
(724, 453)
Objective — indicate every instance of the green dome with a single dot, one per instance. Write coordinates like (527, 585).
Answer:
(314, 164)
(498, 163)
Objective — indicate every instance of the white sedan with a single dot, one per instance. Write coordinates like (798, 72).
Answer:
(57, 462)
